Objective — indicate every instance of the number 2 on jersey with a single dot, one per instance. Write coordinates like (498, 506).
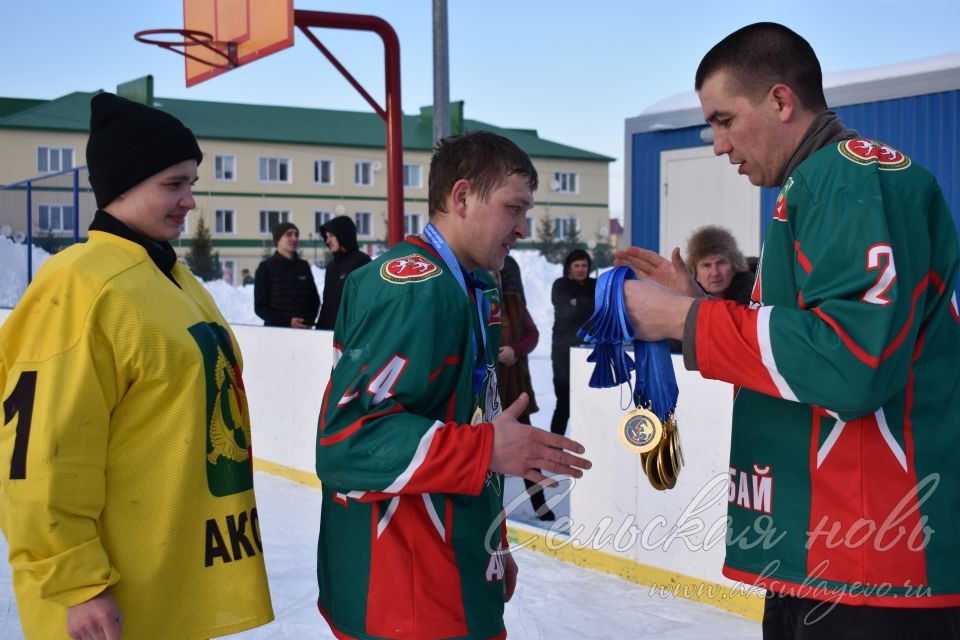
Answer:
(20, 402)
(880, 256)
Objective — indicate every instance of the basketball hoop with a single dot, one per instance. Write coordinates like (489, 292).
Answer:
(191, 38)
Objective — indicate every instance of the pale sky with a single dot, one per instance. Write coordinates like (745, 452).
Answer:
(574, 71)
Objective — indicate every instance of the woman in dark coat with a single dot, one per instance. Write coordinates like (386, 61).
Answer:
(572, 297)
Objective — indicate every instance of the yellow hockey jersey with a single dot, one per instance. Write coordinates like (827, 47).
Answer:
(125, 457)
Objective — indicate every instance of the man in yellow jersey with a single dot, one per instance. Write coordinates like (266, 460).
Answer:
(126, 485)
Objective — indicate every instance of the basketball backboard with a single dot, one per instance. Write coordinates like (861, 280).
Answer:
(241, 31)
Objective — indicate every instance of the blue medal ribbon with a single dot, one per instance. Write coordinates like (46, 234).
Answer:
(435, 238)
(609, 329)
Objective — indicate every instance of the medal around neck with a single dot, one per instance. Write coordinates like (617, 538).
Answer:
(650, 430)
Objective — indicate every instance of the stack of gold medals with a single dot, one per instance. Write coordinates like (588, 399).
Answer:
(657, 443)
(650, 430)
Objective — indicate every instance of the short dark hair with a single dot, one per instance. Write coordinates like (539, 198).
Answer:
(484, 158)
(761, 55)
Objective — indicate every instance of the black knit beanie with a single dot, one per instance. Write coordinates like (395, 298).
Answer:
(281, 228)
(129, 142)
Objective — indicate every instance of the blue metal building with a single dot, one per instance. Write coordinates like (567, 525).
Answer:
(914, 106)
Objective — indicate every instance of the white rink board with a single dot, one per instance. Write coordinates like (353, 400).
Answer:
(679, 530)
(286, 372)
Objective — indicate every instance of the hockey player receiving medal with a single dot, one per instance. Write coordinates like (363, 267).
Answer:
(126, 485)
(844, 492)
(411, 438)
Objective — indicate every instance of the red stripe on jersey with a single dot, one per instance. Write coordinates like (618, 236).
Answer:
(873, 361)
(424, 245)
(336, 632)
(414, 585)
(448, 361)
(349, 430)
(869, 360)
(756, 294)
(451, 407)
(937, 282)
(856, 532)
(802, 258)
(931, 278)
(728, 347)
(323, 407)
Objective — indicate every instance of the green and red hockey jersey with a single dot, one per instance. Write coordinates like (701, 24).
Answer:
(411, 529)
(843, 479)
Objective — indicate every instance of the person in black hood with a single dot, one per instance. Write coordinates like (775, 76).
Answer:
(572, 297)
(284, 292)
(340, 234)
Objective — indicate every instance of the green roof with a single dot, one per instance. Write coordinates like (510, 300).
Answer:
(9, 106)
(291, 125)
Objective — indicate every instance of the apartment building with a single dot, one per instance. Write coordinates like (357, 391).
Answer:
(266, 164)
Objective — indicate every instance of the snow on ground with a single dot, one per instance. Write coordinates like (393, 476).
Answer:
(554, 599)
(13, 269)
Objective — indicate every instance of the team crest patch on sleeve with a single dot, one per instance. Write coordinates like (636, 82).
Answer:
(412, 268)
(864, 151)
(780, 210)
(496, 311)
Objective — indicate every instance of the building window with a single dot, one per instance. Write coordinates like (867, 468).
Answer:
(411, 224)
(362, 220)
(363, 173)
(185, 227)
(412, 175)
(564, 228)
(566, 182)
(270, 218)
(54, 159)
(530, 222)
(323, 171)
(274, 169)
(321, 218)
(225, 168)
(225, 221)
(56, 217)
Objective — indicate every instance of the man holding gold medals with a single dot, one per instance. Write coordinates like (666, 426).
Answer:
(845, 359)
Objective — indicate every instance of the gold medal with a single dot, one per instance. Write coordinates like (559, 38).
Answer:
(477, 417)
(640, 430)
(653, 474)
(667, 476)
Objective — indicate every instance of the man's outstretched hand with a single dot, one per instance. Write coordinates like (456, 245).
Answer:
(650, 265)
(525, 451)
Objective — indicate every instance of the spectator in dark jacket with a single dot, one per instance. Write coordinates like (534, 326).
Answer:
(572, 297)
(284, 293)
(340, 234)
